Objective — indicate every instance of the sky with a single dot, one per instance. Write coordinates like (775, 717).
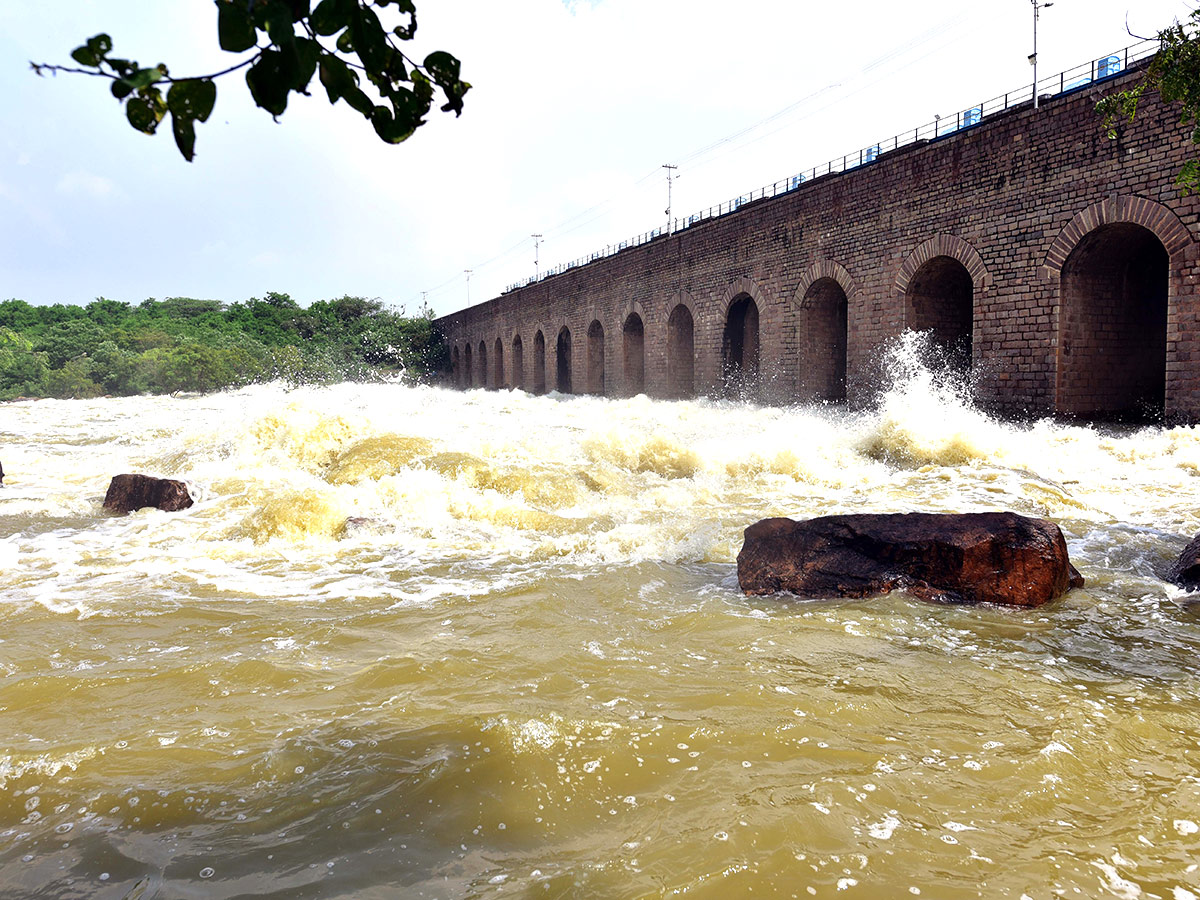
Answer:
(575, 109)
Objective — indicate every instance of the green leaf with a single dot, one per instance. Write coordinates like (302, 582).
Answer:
(192, 99)
(276, 16)
(124, 68)
(406, 7)
(341, 83)
(336, 76)
(422, 87)
(268, 82)
(394, 69)
(235, 27)
(145, 110)
(303, 63)
(370, 41)
(390, 129)
(360, 102)
(100, 45)
(85, 57)
(121, 90)
(185, 135)
(143, 78)
(331, 16)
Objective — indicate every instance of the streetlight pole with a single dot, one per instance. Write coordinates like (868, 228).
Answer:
(537, 269)
(468, 274)
(670, 176)
(1037, 8)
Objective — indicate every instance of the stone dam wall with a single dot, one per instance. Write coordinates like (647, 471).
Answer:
(1058, 266)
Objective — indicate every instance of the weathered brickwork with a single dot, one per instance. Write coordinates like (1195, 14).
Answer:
(1063, 263)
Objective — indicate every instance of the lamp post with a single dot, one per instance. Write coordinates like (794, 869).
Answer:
(1037, 8)
(537, 269)
(467, 272)
(670, 177)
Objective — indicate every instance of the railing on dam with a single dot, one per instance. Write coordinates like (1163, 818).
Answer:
(1064, 82)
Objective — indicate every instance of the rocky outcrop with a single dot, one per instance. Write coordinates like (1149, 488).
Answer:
(965, 558)
(127, 493)
(1186, 570)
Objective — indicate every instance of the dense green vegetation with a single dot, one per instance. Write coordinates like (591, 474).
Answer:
(181, 344)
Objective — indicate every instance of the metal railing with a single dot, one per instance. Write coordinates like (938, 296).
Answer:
(1065, 82)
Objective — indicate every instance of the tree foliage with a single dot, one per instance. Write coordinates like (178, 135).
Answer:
(184, 344)
(354, 48)
(1175, 74)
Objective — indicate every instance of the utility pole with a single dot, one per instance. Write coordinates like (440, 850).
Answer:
(537, 269)
(670, 177)
(1037, 8)
(468, 274)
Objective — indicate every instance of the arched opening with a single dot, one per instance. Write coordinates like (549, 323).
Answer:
(739, 348)
(681, 353)
(468, 368)
(1112, 352)
(633, 340)
(595, 359)
(498, 364)
(456, 368)
(941, 299)
(823, 338)
(562, 381)
(539, 363)
(518, 364)
(483, 366)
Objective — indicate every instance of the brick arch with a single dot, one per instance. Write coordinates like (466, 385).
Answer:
(631, 306)
(742, 285)
(1117, 304)
(945, 245)
(680, 358)
(682, 298)
(1154, 217)
(824, 268)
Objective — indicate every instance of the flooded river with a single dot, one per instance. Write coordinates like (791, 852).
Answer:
(524, 668)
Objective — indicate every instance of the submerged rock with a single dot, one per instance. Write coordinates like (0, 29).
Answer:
(127, 493)
(951, 558)
(1186, 570)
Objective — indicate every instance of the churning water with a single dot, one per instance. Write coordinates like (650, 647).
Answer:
(524, 668)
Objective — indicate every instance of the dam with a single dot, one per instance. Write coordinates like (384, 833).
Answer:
(1055, 264)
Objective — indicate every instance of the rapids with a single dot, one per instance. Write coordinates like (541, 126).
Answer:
(524, 669)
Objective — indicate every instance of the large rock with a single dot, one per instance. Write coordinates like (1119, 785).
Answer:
(129, 492)
(1186, 570)
(966, 558)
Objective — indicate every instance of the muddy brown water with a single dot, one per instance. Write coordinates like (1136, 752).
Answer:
(526, 670)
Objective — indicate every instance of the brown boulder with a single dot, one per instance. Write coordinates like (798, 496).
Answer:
(964, 558)
(129, 492)
(1186, 570)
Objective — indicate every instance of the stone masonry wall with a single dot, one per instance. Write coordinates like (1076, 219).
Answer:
(1009, 199)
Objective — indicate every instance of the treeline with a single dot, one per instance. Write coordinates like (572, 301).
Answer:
(181, 344)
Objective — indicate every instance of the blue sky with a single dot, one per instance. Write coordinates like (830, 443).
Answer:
(575, 108)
